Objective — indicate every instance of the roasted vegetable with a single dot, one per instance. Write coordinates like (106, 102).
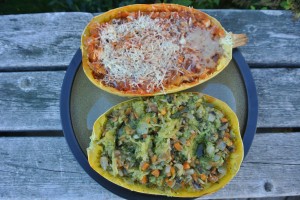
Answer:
(182, 145)
(146, 50)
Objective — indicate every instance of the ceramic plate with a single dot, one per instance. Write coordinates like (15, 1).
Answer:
(82, 103)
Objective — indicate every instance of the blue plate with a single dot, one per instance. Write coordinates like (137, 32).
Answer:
(82, 103)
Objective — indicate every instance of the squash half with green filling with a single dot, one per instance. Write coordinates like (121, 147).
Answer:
(181, 145)
(146, 50)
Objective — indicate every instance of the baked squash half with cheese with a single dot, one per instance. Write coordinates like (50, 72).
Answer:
(180, 145)
(146, 50)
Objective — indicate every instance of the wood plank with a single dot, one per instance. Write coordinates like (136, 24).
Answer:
(48, 41)
(40, 41)
(269, 32)
(274, 198)
(29, 101)
(47, 169)
(278, 93)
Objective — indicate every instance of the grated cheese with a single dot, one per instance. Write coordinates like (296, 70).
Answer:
(144, 51)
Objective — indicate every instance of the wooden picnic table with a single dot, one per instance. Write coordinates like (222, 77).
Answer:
(35, 161)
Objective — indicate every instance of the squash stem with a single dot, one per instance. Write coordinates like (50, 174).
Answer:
(239, 40)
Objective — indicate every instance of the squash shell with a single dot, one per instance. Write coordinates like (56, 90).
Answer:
(226, 43)
(233, 163)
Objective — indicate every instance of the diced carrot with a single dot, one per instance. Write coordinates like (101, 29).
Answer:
(224, 120)
(154, 158)
(186, 165)
(203, 177)
(170, 183)
(155, 172)
(145, 166)
(227, 135)
(172, 171)
(144, 179)
(182, 184)
(178, 146)
(195, 177)
(163, 111)
(227, 141)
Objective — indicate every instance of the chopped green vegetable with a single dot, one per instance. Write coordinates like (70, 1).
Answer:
(170, 141)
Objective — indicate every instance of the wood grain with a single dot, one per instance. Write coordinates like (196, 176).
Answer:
(40, 41)
(29, 101)
(34, 47)
(48, 41)
(43, 167)
(272, 34)
(278, 93)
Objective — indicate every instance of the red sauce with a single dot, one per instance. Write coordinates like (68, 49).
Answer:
(192, 72)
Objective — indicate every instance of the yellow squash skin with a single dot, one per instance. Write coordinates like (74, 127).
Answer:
(226, 42)
(233, 163)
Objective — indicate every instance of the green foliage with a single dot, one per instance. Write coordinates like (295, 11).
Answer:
(258, 4)
(33, 6)
(206, 4)
(182, 2)
(287, 5)
(293, 5)
(80, 5)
